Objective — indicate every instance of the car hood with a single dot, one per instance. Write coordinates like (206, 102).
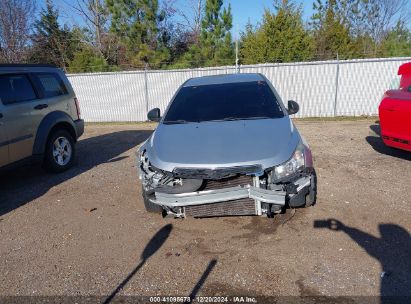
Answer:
(264, 142)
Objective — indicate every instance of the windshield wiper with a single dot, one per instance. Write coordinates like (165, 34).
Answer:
(257, 117)
(240, 118)
(178, 121)
(229, 119)
(224, 119)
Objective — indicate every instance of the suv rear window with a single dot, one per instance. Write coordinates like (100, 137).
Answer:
(229, 101)
(51, 84)
(16, 88)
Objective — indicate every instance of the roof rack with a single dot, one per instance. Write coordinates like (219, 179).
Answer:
(24, 65)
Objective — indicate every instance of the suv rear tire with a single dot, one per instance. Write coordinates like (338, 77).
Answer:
(60, 151)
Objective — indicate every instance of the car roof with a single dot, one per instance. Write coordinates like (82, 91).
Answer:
(225, 78)
(23, 65)
(10, 68)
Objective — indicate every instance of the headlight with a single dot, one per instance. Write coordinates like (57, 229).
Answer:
(293, 165)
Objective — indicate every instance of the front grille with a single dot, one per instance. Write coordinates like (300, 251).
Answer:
(216, 173)
(240, 180)
(245, 206)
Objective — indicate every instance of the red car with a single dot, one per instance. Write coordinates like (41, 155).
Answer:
(395, 112)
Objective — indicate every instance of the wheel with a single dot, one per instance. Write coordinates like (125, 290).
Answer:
(150, 207)
(60, 151)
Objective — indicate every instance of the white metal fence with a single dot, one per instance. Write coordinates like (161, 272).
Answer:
(327, 88)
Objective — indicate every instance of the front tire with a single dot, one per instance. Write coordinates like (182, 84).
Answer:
(60, 151)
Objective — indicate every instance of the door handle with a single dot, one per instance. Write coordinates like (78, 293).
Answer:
(41, 106)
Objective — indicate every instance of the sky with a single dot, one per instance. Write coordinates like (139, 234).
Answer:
(242, 10)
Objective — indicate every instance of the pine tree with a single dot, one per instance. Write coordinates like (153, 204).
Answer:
(51, 43)
(253, 45)
(216, 40)
(280, 38)
(397, 42)
(136, 22)
(331, 31)
(215, 46)
(89, 60)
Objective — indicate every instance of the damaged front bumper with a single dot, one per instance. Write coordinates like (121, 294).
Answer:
(220, 195)
(266, 200)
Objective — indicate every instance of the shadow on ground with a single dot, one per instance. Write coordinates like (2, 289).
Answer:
(392, 249)
(151, 248)
(23, 185)
(378, 145)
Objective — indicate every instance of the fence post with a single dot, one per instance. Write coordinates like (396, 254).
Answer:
(337, 76)
(237, 67)
(146, 86)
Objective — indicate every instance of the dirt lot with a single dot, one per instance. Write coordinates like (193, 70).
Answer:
(85, 232)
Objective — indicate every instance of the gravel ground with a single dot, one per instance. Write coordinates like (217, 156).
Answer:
(85, 232)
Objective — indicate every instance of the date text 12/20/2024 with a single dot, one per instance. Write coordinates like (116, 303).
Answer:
(203, 299)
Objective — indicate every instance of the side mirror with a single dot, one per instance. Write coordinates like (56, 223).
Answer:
(293, 107)
(154, 115)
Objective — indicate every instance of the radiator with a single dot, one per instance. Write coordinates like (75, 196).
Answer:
(245, 206)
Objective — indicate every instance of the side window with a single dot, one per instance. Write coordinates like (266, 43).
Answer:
(16, 88)
(51, 84)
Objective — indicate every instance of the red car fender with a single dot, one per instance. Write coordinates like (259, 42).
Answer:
(395, 112)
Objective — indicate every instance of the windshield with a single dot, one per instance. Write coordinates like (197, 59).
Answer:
(229, 101)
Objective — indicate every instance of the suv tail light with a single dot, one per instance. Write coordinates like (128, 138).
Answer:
(77, 107)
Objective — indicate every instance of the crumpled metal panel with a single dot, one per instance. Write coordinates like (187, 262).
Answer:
(240, 180)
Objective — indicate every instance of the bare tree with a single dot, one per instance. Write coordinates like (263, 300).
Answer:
(94, 13)
(16, 18)
(379, 16)
(192, 14)
(386, 11)
(96, 18)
